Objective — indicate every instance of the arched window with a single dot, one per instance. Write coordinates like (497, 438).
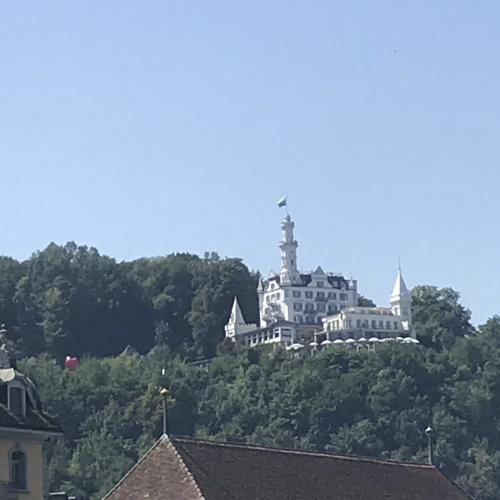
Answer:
(18, 470)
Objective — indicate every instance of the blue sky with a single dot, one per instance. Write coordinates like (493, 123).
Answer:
(144, 128)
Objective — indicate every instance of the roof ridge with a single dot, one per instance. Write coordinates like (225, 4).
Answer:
(325, 454)
(185, 467)
(141, 459)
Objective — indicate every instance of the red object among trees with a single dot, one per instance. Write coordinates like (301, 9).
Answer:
(71, 363)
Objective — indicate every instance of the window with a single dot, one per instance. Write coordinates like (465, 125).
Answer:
(321, 307)
(18, 470)
(309, 307)
(310, 320)
(332, 295)
(296, 294)
(319, 284)
(343, 296)
(16, 401)
(309, 295)
(320, 295)
(297, 319)
(297, 306)
(374, 324)
(332, 308)
(358, 323)
(395, 325)
(381, 324)
(388, 325)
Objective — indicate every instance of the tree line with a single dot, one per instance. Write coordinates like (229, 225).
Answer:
(70, 300)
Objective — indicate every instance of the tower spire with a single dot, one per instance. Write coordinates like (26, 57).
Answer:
(289, 272)
(401, 299)
(236, 323)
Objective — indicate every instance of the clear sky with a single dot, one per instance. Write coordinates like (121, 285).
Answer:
(150, 127)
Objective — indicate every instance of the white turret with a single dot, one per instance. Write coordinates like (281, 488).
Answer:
(401, 299)
(289, 273)
(236, 324)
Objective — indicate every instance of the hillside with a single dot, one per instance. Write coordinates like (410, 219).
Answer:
(72, 300)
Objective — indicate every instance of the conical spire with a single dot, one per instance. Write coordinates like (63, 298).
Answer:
(400, 289)
(236, 323)
(236, 314)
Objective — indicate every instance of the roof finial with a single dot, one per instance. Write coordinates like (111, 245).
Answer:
(429, 431)
(399, 264)
(164, 394)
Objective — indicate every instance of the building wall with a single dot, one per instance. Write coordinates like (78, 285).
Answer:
(364, 318)
(34, 465)
(307, 304)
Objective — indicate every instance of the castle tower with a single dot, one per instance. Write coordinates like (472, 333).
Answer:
(236, 324)
(401, 299)
(289, 273)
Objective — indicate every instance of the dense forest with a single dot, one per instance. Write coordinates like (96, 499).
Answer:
(71, 300)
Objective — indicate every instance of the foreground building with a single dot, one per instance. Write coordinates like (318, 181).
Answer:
(188, 469)
(24, 430)
(299, 309)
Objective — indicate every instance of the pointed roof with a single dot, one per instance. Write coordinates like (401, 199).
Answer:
(182, 469)
(236, 314)
(159, 474)
(319, 271)
(400, 288)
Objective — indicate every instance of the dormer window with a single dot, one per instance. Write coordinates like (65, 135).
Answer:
(17, 399)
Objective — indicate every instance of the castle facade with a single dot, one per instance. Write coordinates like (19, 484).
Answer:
(317, 307)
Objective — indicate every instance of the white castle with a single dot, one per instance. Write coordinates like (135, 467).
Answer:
(318, 306)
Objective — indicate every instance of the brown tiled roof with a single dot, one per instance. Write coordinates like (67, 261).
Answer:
(183, 469)
(160, 474)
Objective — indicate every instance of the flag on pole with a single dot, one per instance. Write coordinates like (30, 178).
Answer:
(282, 202)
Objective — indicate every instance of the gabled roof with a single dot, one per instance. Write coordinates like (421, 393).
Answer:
(178, 469)
(319, 272)
(159, 474)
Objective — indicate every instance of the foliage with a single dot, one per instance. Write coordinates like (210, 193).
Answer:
(374, 404)
(72, 300)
